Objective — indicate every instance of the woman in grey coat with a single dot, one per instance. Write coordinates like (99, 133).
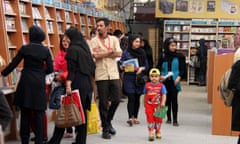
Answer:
(30, 94)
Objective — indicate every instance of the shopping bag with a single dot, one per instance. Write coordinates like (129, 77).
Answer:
(161, 112)
(93, 121)
(71, 111)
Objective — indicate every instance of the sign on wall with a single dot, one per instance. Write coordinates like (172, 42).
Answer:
(198, 9)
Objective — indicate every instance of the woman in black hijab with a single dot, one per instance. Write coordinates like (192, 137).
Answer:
(81, 68)
(31, 94)
(172, 66)
(130, 88)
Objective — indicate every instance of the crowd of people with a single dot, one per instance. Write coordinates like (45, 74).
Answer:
(102, 59)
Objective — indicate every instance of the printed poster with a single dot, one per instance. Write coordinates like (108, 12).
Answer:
(229, 7)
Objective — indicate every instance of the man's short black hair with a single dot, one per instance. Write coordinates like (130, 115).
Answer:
(105, 20)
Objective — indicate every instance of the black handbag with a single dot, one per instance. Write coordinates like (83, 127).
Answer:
(141, 79)
(55, 97)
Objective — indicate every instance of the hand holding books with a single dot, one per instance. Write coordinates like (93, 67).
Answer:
(130, 65)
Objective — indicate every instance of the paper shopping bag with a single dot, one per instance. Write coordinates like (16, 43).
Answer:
(71, 112)
(93, 120)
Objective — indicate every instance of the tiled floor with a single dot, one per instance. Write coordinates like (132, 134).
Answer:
(194, 118)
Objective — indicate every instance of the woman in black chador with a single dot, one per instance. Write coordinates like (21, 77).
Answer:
(81, 69)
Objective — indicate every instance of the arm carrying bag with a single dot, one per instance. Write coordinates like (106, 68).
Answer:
(71, 112)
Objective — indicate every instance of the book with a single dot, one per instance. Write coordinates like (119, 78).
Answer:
(36, 13)
(8, 7)
(22, 8)
(59, 18)
(67, 17)
(49, 26)
(9, 40)
(24, 25)
(130, 65)
(89, 21)
(82, 20)
(10, 23)
(46, 13)
(60, 28)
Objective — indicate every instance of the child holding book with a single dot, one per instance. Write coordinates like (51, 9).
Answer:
(155, 96)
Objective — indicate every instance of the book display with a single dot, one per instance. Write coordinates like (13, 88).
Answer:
(54, 17)
(217, 33)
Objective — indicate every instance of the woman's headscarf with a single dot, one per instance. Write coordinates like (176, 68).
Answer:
(138, 52)
(80, 52)
(36, 34)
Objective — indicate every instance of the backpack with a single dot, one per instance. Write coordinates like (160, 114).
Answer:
(224, 92)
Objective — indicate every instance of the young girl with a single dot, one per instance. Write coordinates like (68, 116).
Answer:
(172, 62)
(155, 96)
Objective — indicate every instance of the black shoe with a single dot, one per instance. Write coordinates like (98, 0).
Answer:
(106, 135)
(168, 121)
(175, 124)
(112, 130)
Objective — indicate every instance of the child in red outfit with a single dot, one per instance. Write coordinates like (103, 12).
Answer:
(155, 96)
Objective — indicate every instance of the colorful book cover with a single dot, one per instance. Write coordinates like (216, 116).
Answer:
(130, 65)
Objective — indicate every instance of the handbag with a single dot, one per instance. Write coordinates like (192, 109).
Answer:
(141, 79)
(71, 111)
(93, 120)
(55, 97)
(161, 112)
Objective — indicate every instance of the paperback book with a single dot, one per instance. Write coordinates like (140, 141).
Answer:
(130, 65)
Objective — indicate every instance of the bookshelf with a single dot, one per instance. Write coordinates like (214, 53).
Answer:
(216, 32)
(54, 17)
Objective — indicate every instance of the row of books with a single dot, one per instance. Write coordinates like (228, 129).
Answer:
(177, 28)
(206, 37)
(179, 37)
(228, 29)
(204, 30)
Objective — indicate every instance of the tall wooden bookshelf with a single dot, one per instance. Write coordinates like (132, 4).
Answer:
(16, 16)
